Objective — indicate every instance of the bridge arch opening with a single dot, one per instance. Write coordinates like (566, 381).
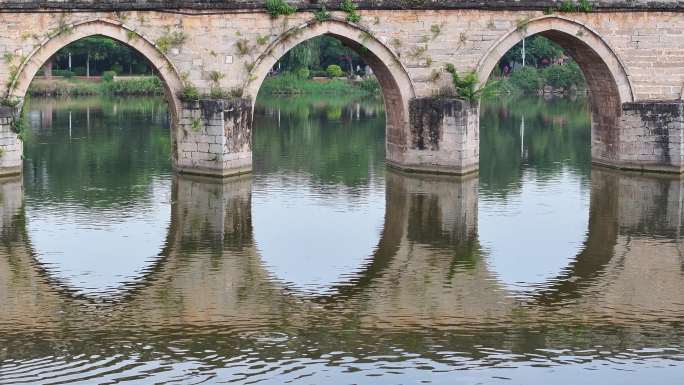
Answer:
(395, 83)
(159, 64)
(607, 81)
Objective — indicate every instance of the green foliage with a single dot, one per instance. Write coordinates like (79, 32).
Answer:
(563, 76)
(290, 84)
(196, 124)
(189, 93)
(8, 57)
(418, 52)
(466, 86)
(349, 8)
(567, 6)
(103, 54)
(319, 52)
(262, 40)
(64, 87)
(526, 79)
(334, 71)
(242, 46)
(537, 48)
(131, 35)
(303, 73)
(62, 27)
(20, 124)
(144, 86)
(570, 6)
(436, 30)
(8, 102)
(236, 92)
(277, 8)
(216, 76)
(108, 76)
(170, 40)
(322, 15)
(63, 73)
(217, 92)
(370, 85)
(585, 6)
(530, 80)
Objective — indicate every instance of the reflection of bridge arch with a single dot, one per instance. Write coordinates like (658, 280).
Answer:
(212, 270)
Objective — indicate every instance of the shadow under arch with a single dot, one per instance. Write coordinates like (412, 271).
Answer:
(397, 87)
(112, 29)
(606, 76)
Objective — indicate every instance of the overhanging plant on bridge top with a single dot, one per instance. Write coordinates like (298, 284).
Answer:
(349, 8)
(277, 8)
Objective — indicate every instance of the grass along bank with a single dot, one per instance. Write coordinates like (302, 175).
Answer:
(292, 84)
(553, 79)
(93, 86)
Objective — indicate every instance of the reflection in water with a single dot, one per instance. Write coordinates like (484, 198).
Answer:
(97, 174)
(427, 301)
(318, 183)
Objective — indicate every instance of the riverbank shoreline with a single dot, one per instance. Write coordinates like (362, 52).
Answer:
(95, 86)
(289, 85)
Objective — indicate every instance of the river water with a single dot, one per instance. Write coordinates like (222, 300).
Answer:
(325, 266)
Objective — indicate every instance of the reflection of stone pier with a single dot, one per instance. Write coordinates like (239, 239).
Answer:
(438, 210)
(207, 208)
(435, 275)
(644, 203)
(630, 269)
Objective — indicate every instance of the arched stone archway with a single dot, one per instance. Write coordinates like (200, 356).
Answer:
(98, 27)
(605, 72)
(625, 133)
(397, 87)
(26, 71)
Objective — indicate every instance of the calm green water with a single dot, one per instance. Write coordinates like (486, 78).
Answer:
(324, 266)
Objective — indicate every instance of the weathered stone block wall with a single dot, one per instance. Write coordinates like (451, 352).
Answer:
(11, 148)
(649, 135)
(214, 137)
(444, 136)
(649, 44)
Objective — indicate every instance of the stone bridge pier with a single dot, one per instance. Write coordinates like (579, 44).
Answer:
(631, 54)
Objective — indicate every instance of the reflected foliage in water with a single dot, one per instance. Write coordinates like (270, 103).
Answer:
(532, 133)
(336, 140)
(95, 151)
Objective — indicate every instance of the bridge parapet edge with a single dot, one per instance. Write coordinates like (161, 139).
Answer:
(237, 5)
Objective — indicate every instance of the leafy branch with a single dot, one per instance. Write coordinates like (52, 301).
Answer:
(277, 8)
(466, 85)
(349, 8)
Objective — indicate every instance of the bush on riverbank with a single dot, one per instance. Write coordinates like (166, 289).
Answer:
(531, 81)
(291, 84)
(136, 86)
(80, 87)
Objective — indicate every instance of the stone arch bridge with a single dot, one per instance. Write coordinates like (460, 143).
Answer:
(631, 53)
